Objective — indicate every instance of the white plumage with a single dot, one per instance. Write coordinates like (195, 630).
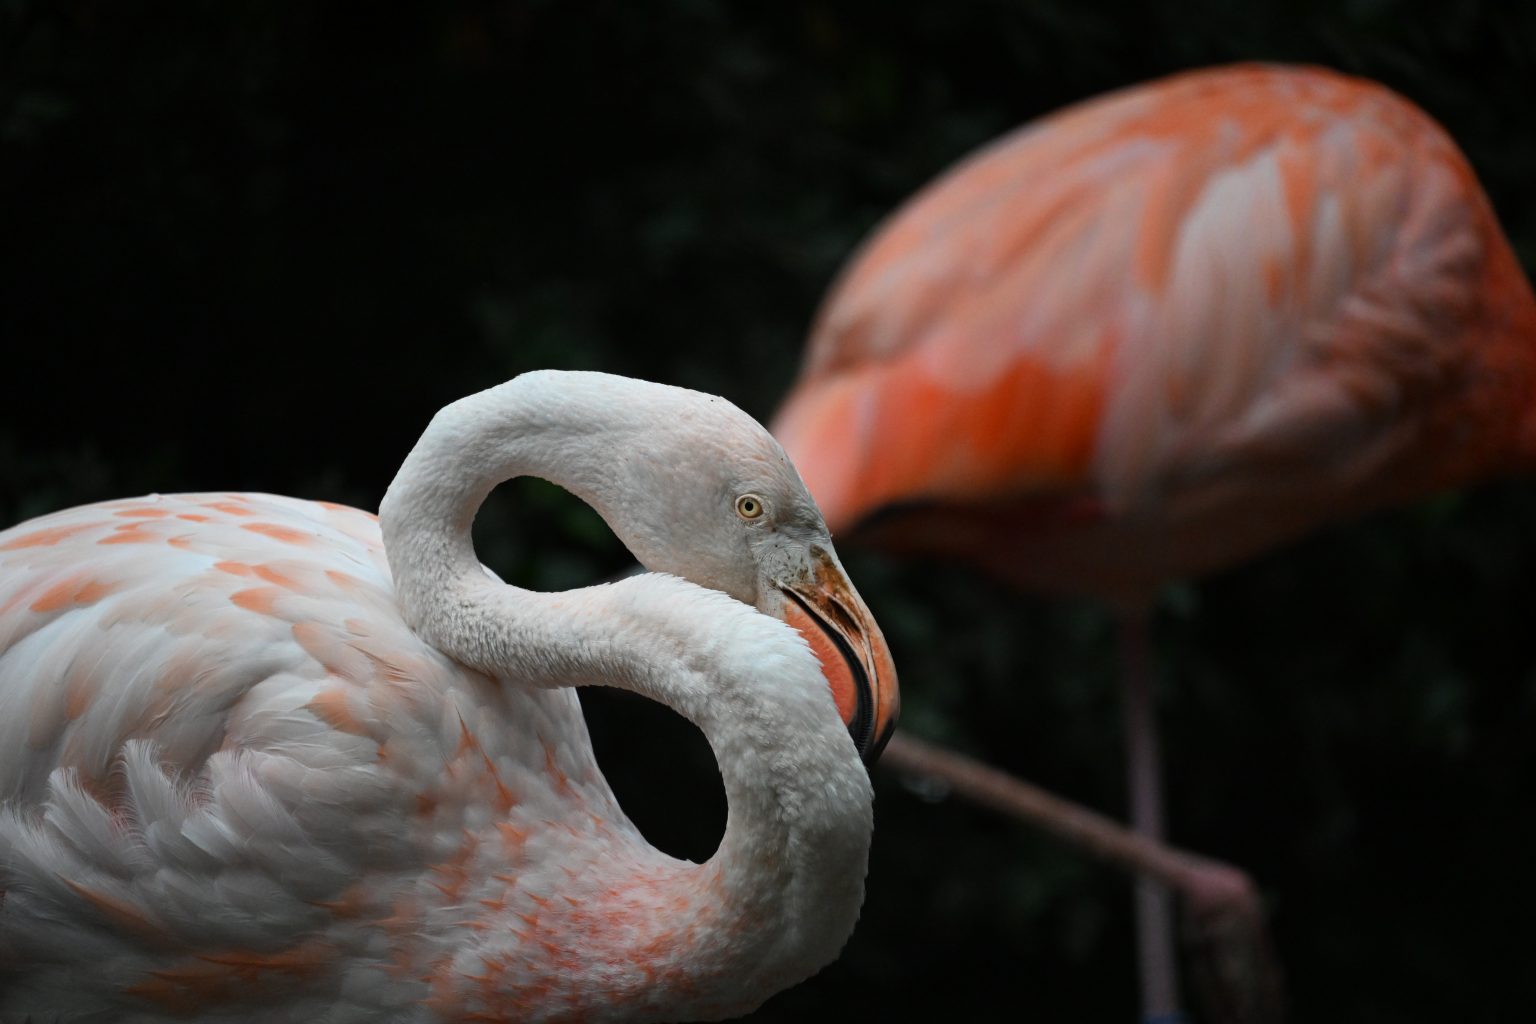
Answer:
(236, 784)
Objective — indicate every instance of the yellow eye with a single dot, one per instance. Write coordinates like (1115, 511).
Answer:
(749, 506)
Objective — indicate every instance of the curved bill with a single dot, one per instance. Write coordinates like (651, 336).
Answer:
(829, 613)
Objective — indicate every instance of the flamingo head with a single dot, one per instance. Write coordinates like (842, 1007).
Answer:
(710, 496)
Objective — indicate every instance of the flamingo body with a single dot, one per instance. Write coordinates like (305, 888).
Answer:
(237, 783)
(1161, 330)
(340, 764)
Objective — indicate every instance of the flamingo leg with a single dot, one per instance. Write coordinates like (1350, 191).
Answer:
(1230, 951)
(1156, 950)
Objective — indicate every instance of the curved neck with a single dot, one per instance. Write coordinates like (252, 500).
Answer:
(785, 886)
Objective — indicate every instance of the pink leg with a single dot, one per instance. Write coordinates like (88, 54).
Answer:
(1231, 958)
(1157, 953)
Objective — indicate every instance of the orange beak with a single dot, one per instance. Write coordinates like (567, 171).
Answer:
(832, 617)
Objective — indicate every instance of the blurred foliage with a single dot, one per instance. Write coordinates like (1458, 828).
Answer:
(255, 246)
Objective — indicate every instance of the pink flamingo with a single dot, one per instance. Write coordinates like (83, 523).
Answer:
(263, 758)
(1159, 332)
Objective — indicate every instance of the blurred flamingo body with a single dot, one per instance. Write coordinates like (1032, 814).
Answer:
(271, 759)
(1155, 333)
(1161, 331)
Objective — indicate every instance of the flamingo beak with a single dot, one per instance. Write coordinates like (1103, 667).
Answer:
(832, 617)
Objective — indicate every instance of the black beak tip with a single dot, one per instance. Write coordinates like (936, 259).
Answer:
(870, 751)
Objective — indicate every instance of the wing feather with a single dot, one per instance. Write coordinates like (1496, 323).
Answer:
(192, 773)
(1133, 292)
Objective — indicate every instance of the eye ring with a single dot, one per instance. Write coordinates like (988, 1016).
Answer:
(749, 506)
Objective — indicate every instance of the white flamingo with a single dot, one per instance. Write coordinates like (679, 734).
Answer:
(271, 759)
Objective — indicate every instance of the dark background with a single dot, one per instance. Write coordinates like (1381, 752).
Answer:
(254, 246)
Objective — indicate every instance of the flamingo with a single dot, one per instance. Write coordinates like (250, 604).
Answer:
(1158, 332)
(272, 759)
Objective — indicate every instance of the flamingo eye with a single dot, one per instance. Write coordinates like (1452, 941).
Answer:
(749, 506)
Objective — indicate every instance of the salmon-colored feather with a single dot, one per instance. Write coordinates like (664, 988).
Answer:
(1179, 305)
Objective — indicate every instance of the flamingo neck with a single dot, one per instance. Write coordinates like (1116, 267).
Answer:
(781, 895)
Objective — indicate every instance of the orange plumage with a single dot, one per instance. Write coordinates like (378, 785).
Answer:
(1159, 331)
